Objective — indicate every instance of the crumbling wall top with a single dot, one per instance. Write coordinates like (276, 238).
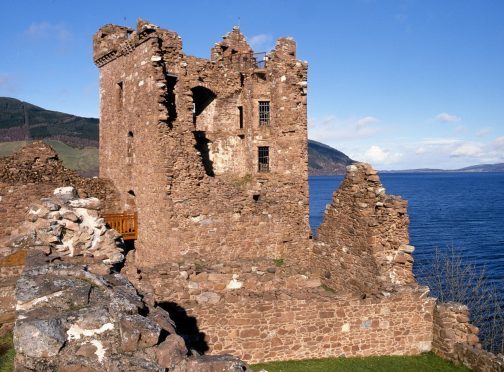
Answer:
(112, 41)
(233, 42)
(285, 49)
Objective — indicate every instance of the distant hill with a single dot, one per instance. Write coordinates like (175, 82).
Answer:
(324, 160)
(481, 168)
(21, 121)
(499, 167)
(76, 138)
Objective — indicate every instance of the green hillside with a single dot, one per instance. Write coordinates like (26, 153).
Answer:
(23, 121)
(324, 160)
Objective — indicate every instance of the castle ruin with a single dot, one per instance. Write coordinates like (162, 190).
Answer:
(212, 157)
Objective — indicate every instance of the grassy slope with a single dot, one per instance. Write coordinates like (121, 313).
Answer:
(6, 353)
(424, 362)
(8, 148)
(84, 159)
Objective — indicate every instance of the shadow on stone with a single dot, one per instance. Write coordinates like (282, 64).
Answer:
(202, 147)
(187, 327)
(126, 246)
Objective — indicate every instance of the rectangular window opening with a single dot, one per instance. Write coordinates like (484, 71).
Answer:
(264, 113)
(240, 112)
(263, 159)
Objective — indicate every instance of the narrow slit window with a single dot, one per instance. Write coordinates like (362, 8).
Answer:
(264, 113)
(120, 93)
(263, 159)
(240, 113)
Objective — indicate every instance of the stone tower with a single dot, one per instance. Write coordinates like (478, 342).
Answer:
(211, 153)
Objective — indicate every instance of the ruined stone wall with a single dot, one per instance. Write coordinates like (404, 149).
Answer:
(281, 312)
(338, 302)
(363, 242)
(455, 339)
(193, 177)
(284, 326)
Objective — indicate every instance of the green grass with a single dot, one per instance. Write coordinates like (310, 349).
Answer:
(74, 158)
(83, 159)
(9, 148)
(424, 362)
(6, 353)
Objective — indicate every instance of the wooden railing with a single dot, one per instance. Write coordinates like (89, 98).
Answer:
(124, 223)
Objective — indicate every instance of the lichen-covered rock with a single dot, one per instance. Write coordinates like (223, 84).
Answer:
(171, 351)
(211, 363)
(39, 338)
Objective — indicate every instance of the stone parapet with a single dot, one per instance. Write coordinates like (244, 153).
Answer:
(281, 326)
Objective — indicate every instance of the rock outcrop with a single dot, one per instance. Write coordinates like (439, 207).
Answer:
(74, 312)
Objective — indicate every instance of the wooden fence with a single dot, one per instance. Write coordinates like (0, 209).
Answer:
(124, 223)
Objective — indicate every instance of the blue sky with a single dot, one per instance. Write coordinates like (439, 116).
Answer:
(398, 83)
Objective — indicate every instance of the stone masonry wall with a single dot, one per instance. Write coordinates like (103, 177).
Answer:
(170, 139)
(14, 202)
(455, 339)
(336, 303)
(284, 326)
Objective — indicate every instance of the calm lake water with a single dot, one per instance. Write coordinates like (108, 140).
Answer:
(460, 210)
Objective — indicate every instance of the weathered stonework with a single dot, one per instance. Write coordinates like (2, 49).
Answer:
(224, 262)
(172, 141)
(457, 340)
(180, 139)
(300, 325)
